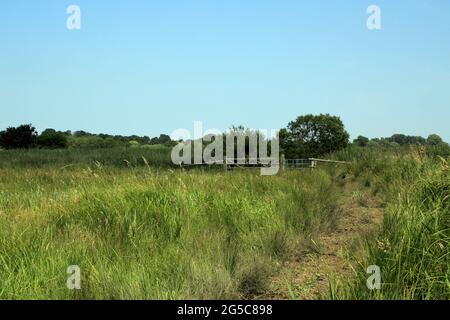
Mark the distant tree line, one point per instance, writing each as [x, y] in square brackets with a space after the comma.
[400, 140]
[305, 137]
[26, 137]
[317, 135]
[433, 142]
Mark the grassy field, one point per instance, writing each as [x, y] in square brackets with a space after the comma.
[141, 231]
[413, 247]
[155, 155]
[144, 233]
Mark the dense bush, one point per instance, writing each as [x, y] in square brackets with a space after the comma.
[361, 141]
[22, 137]
[93, 142]
[52, 139]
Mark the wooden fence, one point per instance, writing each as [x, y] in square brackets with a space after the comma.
[307, 163]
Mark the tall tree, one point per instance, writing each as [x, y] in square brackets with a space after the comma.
[21, 137]
[434, 140]
[313, 136]
[52, 139]
[361, 141]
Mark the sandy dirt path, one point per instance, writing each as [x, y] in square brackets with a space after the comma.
[330, 255]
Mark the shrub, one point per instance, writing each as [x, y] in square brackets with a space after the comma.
[22, 137]
[52, 140]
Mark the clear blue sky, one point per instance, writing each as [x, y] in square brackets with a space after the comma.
[148, 67]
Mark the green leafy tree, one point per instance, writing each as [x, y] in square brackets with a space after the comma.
[361, 141]
[403, 140]
[164, 138]
[434, 140]
[248, 136]
[313, 136]
[52, 139]
[22, 137]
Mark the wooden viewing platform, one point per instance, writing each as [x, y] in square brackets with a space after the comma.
[266, 162]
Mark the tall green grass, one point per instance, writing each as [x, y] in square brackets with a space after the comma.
[141, 233]
[154, 155]
[413, 248]
[139, 230]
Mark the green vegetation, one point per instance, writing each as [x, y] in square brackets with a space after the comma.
[434, 143]
[313, 136]
[22, 137]
[154, 155]
[141, 228]
[26, 137]
[413, 247]
[138, 232]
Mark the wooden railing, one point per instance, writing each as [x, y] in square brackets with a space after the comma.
[263, 162]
